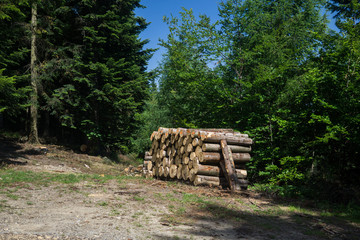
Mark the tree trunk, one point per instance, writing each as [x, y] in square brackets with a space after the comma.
[216, 181]
[215, 157]
[210, 147]
[232, 139]
[208, 170]
[33, 135]
[228, 166]
[173, 171]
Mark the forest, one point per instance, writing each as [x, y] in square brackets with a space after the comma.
[74, 72]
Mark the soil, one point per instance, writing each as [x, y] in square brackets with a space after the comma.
[137, 208]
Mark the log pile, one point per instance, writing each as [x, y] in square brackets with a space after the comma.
[213, 157]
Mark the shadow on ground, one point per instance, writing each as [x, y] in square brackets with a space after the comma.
[13, 153]
[212, 220]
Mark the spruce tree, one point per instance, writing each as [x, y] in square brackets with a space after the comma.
[104, 82]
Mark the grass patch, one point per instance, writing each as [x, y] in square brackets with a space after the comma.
[192, 198]
[138, 198]
[281, 191]
[115, 212]
[103, 204]
[12, 196]
[3, 205]
[159, 196]
[11, 178]
[350, 212]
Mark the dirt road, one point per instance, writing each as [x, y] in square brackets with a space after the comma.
[66, 195]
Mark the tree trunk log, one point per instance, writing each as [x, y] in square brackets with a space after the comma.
[216, 181]
[208, 170]
[166, 171]
[228, 166]
[147, 157]
[210, 147]
[173, 171]
[185, 172]
[192, 175]
[149, 166]
[230, 139]
[215, 157]
[179, 172]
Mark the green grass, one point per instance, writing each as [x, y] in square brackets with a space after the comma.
[12, 178]
[3, 205]
[114, 212]
[103, 204]
[138, 198]
[315, 232]
[192, 198]
[350, 212]
[323, 208]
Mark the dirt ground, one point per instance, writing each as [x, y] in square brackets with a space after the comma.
[130, 207]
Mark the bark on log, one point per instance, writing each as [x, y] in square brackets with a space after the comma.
[153, 135]
[148, 158]
[231, 139]
[216, 181]
[208, 170]
[206, 181]
[215, 157]
[228, 166]
[211, 147]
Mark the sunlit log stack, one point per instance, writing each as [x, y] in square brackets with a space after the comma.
[195, 155]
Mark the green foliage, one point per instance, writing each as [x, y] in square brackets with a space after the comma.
[91, 67]
[11, 99]
[153, 116]
[188, 86]
[280, 74]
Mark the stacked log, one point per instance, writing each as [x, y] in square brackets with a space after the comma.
[213, 157]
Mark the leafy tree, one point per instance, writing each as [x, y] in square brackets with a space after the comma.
[260, 50]
[189, 88]
[268, 49]
[150, 119]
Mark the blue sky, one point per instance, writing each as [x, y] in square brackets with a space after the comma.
[155, 11]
